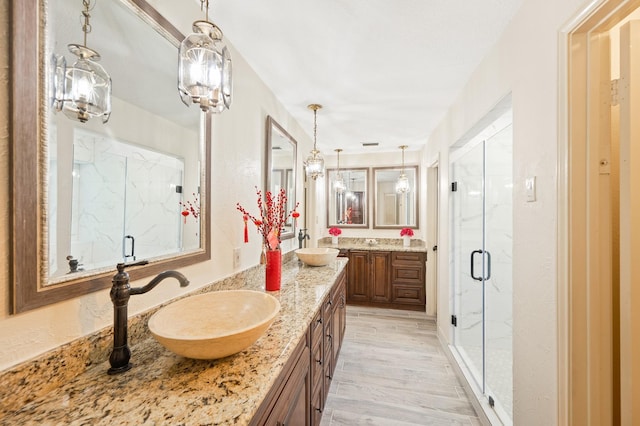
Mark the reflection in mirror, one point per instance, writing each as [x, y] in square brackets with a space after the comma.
[393, 210]
[347, 208]
[133, 188]
[280, 168]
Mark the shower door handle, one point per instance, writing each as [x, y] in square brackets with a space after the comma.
[473, 253]
[133, 247]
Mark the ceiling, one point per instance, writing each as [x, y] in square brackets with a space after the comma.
[384, 71]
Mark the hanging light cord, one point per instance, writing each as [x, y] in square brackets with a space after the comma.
[204, 5]
[402, 160]
[86, 26]
[315, 127]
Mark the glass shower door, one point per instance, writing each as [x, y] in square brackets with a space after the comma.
[481, 233]
[467, 236]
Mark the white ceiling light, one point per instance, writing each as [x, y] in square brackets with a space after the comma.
[315, 163]
[83, 91]
[402, 184]
[204, 67]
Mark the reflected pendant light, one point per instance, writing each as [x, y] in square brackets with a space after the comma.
[82, 91]
[338, 183]
[204, 67]
[315, 163]
[402, 184]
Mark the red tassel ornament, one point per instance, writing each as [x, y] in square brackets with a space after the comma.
[246, 231]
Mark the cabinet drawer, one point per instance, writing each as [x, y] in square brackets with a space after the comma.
[408, 257]
[409, 294]
[407, 273]
[317, 363]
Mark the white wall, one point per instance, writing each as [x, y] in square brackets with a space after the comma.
[524, 62]
[236, 164]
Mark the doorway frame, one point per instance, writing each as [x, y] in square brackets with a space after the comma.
[588, 366]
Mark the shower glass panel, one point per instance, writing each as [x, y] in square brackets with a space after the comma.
[467, 235]
[481, 232]
[125, 203]
[498, 288]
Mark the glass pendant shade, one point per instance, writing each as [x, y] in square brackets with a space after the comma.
[314, 165]
[402, 184]
[204, 69]
[83, 91]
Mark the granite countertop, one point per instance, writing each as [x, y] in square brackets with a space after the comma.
[382, 244]
[164, 388]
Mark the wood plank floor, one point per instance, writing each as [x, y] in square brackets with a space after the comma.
[393, 371]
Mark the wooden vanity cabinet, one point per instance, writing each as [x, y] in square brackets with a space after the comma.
[387, 279]
[288, 402]
[369, 276]
[327, 332]
[300, 392]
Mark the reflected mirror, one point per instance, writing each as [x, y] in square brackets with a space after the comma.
[133, 188]
[391, 209]
[347, 207]
[280, 168]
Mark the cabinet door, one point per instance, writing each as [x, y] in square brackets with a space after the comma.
[293, 406]
[380, 276]
[357, 281]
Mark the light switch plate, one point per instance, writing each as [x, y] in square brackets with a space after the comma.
[530, 187]
[236, 257]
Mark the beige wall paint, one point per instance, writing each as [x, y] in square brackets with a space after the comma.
[524, 62]
[236, 163]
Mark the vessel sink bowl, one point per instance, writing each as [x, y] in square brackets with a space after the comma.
[214, 325]
[317, 256]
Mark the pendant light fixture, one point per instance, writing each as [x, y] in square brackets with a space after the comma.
[83, 91]
[338, 183]
[204, 67]
[402, 184]
[315, 163]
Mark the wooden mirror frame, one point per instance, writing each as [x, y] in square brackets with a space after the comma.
[416, 190]
[29, 164]
[270, 125]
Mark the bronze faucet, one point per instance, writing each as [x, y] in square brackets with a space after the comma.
[120, 293]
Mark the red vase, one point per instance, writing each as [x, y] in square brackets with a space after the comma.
[273, 270]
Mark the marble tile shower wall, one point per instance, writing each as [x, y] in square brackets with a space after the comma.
[118, 190]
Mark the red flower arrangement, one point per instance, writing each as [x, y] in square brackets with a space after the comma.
[273, 216]
[406, 232]
[334, 232]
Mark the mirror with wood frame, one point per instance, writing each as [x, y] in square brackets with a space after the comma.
[280, 168]
[89, 195]
[390, 208]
